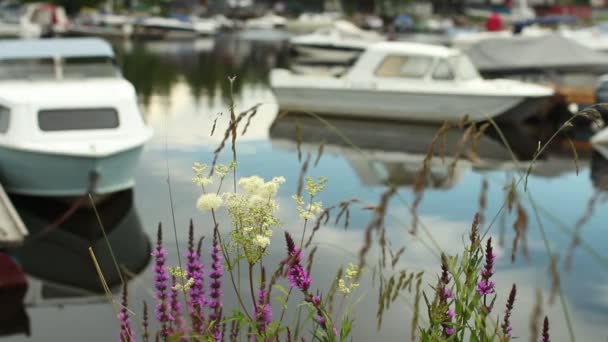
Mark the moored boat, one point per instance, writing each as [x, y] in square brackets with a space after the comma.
[414, 82]
[340, 43]
[69, 122]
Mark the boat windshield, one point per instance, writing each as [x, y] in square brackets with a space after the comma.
[52, 69]
[464, 68]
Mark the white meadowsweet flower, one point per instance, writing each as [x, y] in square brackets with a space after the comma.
[248, 229]
[208, 202]
[262, 241]
[201, 180]
[199, 168]
[222, 170]
[251, 185]
[257, 200]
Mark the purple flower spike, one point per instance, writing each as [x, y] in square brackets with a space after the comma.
[263, 312]
[215, 303]
[126, 333]
[506, 324]
[485, 286]
[296, 274]
[176, 306]
[163, 314]
[450, 313]
[196, 293]
[449, 331]
[546, 337]
[447, 293]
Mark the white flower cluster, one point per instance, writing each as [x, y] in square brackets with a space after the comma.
[220, 171]
[307, 211]
[208, 202]
[352, 271]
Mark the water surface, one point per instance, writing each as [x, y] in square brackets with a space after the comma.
[183, 88]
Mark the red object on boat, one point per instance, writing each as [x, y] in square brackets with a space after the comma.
[11, 275]
[13, 287]
[494, 22]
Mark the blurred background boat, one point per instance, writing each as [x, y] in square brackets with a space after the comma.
[339, 43]
[415, 82]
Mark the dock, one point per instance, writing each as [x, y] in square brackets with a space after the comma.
[12, 229]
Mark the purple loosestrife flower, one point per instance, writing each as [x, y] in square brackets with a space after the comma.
[145, 323]
[176, 306]
[296, 274]
[196, 293]
[450, 313]
[485, 286]
[445, 295]
[126, 333]
[506, 323]
[163, 314]
[263, 312]
[545, 337]
[215, 303]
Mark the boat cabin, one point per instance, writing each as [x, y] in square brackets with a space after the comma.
[412, 61]
[55, 89]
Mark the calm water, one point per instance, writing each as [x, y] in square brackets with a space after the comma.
[183, 87]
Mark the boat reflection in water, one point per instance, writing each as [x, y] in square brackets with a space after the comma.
[55, 267]
[393, 153]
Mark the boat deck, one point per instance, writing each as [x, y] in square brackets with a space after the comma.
[12, 229]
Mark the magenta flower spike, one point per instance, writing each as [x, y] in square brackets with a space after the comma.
[545, 337]
[263, 312]
[161, 276]
[176, 307]
[196, 293]
[485, 286]
[215, 294]
[296, 274]
[126, 333]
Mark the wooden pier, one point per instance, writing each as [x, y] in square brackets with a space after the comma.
[12, 229]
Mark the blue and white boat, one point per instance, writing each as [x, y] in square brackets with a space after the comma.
[69, 121]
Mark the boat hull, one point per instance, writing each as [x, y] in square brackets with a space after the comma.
[41, 174]
[417, 107]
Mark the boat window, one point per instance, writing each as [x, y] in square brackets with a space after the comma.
[443, 71]
[404, 66]
[42, 68]
[464, 67]
[5, 114]
[77, 119]
[69, 68]
[82, 67]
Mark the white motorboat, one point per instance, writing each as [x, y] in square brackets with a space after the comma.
[410, 81]
[103, 24]
[161, 27]
[69, 122]
[340, 43]
[268, 21]
[310, 22]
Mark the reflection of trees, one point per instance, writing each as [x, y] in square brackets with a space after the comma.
[205, 72]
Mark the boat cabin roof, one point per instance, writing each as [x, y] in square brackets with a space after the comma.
[400, 48]
[15, 49]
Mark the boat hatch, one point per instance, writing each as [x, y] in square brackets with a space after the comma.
[77, 119]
